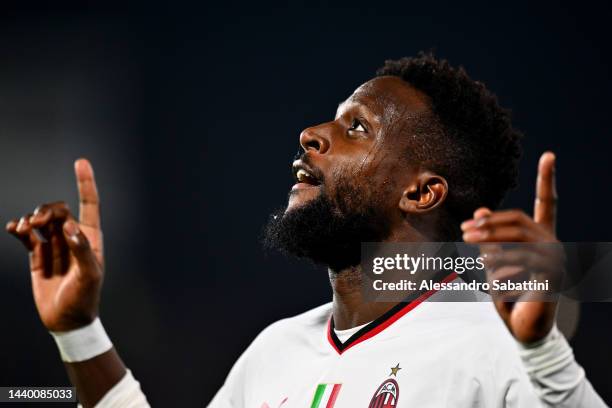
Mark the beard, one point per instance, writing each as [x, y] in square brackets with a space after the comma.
[327, 231]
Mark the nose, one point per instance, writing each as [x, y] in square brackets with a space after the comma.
[314, 139]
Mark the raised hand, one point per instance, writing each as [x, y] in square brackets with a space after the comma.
[66, 256]
[528, 321]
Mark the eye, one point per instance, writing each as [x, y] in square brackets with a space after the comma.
[357, 126]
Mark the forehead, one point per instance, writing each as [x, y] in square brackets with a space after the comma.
[386, 96]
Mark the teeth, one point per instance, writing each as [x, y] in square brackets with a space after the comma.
[302, 175]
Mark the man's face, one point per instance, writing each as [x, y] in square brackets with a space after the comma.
[365, 146]
[350, 178]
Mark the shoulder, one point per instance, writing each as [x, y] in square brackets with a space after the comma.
[477, 323]
[469, 331]
[288, 331]
[287, 336]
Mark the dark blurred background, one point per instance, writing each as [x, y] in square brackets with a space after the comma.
[191, 117]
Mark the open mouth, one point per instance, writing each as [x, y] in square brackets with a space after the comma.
[305, 175]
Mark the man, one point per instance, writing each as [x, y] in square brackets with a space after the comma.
[410, 155]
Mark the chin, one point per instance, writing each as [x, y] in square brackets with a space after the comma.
[299, 198]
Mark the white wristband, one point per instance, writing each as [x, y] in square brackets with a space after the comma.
[552, 368]
[83, 343]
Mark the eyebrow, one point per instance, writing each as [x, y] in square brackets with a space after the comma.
[342, 104]
[359, 102]
[354, 101]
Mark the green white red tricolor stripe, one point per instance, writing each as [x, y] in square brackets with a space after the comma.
[325, 395]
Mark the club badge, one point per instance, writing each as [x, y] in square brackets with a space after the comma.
[387, 394]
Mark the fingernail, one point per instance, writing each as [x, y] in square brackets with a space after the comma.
[480, 222]
[465, 225]
[72, 230]
[21, 224]
[474, 235]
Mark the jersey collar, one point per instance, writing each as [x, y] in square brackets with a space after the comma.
[380, 324]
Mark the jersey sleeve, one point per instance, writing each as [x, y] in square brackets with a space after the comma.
[558, 380]
[238, 384]
[125, 394]
[231, 393]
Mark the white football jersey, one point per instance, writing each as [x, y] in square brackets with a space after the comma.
[431, 352]
[419, 354]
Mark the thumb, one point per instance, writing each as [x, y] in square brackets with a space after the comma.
[81, 250]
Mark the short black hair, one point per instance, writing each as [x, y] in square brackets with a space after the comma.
[468, 137]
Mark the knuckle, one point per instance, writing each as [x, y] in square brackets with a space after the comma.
[43, 208]
[516, 214]
[60, 209]
[523, 217]
[40, 208]
[520, 234]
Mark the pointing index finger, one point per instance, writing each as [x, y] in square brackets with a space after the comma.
[89, 204]
[545, 208]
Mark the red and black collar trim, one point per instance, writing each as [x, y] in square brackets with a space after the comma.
[380, 324]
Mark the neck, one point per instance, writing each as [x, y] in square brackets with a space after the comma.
[349, 308]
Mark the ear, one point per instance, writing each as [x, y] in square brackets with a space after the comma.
[425, 192]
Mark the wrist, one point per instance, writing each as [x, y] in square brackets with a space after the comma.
[83, 343]
[552, 334]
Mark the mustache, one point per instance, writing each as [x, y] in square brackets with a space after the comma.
[299, 155]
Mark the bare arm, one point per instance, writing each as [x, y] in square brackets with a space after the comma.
[94, 378]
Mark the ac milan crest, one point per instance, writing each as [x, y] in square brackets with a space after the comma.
[386, 395]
